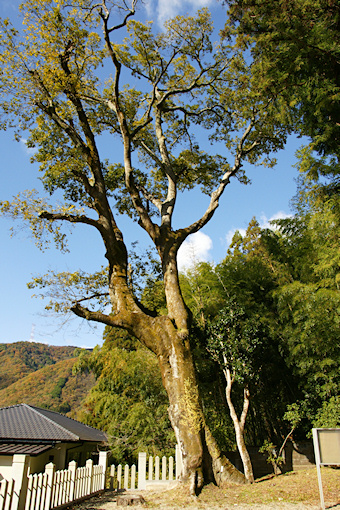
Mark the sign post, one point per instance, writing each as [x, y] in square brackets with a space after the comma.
[327, 453]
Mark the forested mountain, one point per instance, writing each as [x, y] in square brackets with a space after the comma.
[41, 375]
[22, 358]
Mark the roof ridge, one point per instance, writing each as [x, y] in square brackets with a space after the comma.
[35, 410]
[68, 417]
[9, 407]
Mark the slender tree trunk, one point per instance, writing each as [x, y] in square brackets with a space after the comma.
[239, 426]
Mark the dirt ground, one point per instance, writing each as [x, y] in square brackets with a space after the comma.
[292, 491]
[110, 503]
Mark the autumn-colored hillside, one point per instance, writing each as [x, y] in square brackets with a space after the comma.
[41, 375]
[22, 358]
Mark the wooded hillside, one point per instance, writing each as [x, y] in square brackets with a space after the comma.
[41, 375]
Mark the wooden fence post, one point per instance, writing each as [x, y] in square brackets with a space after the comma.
[103, 462]
[157, 468]
[6, 494]
[150, 468]
[49, 470]
[133, 477]
[164, 477]
[112, 476]
[171, 469]
[119, 476]
[126, 477]
[89, 473]
[72, 468]
[20, 477]
[142, 471]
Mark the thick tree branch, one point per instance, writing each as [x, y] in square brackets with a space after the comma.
[95, 316]
[91, 148]
[130, 13]
[169, 203]
[114, 104]
[151, 198]
[71, 218]
[68, 127]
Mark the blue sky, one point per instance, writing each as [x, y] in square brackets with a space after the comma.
[22, 317]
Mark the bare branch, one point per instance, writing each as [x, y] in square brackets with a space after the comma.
[194, 84]
[141, 126]
[151, 153]
[130, 13]
[93, 296]
[149, 196]
[190, 113]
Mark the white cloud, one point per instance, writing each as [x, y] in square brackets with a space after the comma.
[195, 249]
[29, 150]
[149, 7]
[168, 9]
[165, 9]
[264, 222]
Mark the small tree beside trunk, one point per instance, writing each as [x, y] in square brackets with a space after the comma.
[238, 343]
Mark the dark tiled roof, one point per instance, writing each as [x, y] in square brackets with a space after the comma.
[23, 449]
[24, 422]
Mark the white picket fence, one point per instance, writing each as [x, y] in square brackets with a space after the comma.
[51, 489]
[55, 489]
[150, 471]
[6, 494]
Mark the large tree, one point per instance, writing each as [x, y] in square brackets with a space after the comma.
[73, 83]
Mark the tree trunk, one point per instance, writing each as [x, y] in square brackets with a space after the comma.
[202, 459]
[239, 426]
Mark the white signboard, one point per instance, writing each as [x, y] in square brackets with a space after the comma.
[327, 452]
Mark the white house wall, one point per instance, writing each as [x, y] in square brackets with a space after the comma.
[5, 467]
